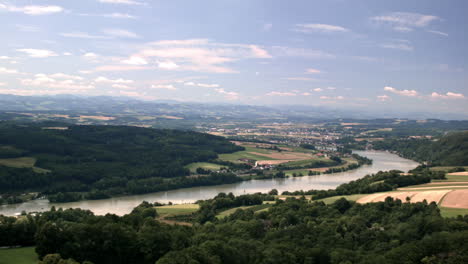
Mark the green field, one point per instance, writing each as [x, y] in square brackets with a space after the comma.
[304, 172]
[23, 162]
[255, 208]
[205, 165]
[177, 209]
[306, 162]
[234, 157]
[452, 212]
[353, 197]
[25, 255]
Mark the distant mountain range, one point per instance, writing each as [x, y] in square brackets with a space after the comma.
[119, 105]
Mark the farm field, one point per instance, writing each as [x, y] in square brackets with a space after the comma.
[205, 165]
[255, 208]
[452, 212]
[23, 162]
[24, 255]
[352, 197]
[451, 195]
[263, 155]
[177, 209]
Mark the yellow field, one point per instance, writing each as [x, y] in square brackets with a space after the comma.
[450, 193]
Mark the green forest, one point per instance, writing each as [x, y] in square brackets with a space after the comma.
[95, 162]
[449, 150]
[290, 232]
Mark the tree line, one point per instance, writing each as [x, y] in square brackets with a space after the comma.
[291, 231]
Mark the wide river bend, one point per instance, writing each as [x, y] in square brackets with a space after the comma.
[382, 161]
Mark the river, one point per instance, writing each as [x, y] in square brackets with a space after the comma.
[382, 161]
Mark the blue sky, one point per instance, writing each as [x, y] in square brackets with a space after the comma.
[405, 55]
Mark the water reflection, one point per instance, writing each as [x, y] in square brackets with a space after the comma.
[382, 161]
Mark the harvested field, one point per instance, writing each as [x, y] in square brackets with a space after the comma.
[463, 173]
[285, 155]
[456, 199]
[429, 196]
[272, 162]
[435, 187]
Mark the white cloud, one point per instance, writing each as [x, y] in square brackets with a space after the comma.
[120, 33]
[303, 53]
[440, 33]
[119, 15]
[323, 28]
[383, 98]
[112, 15]
[2, 84]
[33, 10]
[122, 86]
[201, 55]
[405, 21]
[402, 29]
[398, 46]
[312, 71]
[204, 85]
[60, 86]
[167, 65]
[411, 93]
[332, 98]
[38, 53]
[116, 68]
[66, 76]
[275, 93]
[134, 60]
[90, 55]
[4, 58]
[164, 86]
[448, 95]
[228, 95]
[67, 54]
[102, 79]
[122, 2]
[8, 71]
[318, 90]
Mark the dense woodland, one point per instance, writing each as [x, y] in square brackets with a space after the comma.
[292, 231]
[450, 150]
[96, 162]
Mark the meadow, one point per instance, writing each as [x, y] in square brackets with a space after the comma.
[23, 255]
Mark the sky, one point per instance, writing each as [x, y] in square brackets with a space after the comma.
[365, 54]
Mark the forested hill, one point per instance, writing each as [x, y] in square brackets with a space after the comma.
[103, 160]
[450, 150]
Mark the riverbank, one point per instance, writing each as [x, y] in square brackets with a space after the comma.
[382, 161]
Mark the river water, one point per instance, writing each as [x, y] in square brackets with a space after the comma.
[382, 161]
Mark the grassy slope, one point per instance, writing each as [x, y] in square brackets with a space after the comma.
[205, 165]
[452, 212]
[256, 208]
[23, 162]
[177, 209]
[234, 157]
[25, 255]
